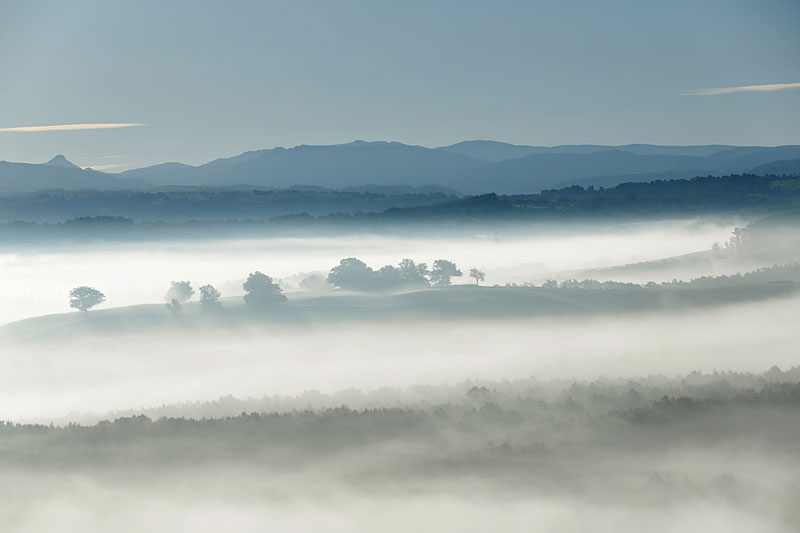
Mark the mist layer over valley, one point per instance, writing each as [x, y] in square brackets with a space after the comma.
[582, 377]
[39, 277]
[90, 373]
[697, 452]
[599, 375]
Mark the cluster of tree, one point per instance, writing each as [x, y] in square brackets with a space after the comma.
[739, 244]
[589, 284]
[355, 275]
[260, 292]
[789, 273]
[775, 274]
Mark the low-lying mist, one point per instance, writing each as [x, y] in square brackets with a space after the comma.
[712, 452]
[571, 406]
[73, 377]
[37, 280]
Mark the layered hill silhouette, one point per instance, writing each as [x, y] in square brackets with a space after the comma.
[609, 167]
[60, 173]
[470, 167]
[336, 166]
[494, 151]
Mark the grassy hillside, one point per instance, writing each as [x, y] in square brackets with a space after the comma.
[452, 303]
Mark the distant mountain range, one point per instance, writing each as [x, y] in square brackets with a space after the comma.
[60, 173]
[470, 167]
[494, 151]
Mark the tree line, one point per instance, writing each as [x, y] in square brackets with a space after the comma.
[355, 275]
[262, 291]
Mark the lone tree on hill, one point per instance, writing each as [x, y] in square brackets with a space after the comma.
[478, 275]
[178, 294]
[84, 298]
[209, 298]
[261, 291]
[442, 271]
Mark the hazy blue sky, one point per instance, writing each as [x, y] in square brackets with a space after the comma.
[213, 79]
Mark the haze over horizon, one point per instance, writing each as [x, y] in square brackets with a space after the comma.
[121, 87]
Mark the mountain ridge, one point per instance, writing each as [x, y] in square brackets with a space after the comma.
[469, 167]
[27, 177]
[61, 161]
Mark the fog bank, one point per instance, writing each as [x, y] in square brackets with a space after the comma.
[43, 380]
[37, 281]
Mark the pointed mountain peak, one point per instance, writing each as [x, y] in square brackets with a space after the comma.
[61, 161]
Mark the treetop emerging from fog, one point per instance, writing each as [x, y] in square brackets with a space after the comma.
[355, 275]
[261, 291]
[84, 298]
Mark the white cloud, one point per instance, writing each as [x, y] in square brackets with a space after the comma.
[744, 89]
[70, 127]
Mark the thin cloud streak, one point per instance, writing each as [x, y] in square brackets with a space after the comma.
[102, 167]
[744, 89]
[71, 127]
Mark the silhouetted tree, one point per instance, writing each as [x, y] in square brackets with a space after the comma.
[261, 291]
[209, 298]
[414, 274]
[387, 278]
[739, 241]
[478, 275]
[352, 274]
[84, 298]
[178, 294]
[442, 271]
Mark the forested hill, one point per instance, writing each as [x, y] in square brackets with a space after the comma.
[728, 195]
[700, 195]
[175, 205]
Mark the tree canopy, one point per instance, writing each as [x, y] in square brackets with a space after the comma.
[261, 291]
[443, 271]
[352, 274]
[477, 275]
[209, 298]
[84, 298]
[355, 275]
[178, 294]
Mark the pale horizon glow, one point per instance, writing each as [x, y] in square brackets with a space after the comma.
[102, 167]
[744, 89]
[72, 127]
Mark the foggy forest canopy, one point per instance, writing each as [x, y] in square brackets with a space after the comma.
[654, 446]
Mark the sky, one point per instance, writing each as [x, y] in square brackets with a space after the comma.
[191, 81]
